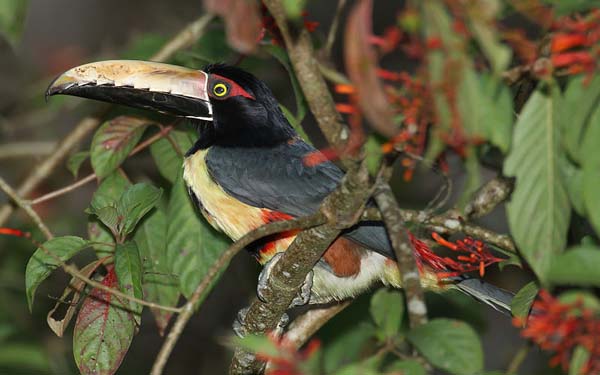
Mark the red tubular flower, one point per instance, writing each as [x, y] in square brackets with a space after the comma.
[560, 327]
[562, 42]
[14, 232]
[476, 256]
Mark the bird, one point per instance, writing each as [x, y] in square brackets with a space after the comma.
[247, 168]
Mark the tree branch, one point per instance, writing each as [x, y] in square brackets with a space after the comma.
[27, 208]
[306, 67]
[21, 149]
[224, 259]
[183, 39]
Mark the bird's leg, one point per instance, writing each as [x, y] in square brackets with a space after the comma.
[303, 296]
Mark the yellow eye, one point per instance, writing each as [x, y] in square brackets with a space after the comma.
[220, 90]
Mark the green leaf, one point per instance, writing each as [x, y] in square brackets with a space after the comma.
[103, 331]
[574, 178]
[579, 359]
[260, 344]
[406, 367]
[577, 266]
[565, 7]
[192, 245]
[450, 345]
[367, 366]
[110, 217]
[539, 209]
[579, 103]
[521, 303]
[12, 19]
[482, 17]
[498, 113]
[297, 125]
[591, 170]
[109, 191]
[159, 285]
[387, 309]
[167, 159]
[136, 202]
[346, 346]
[128, 267]
[293, 8]
[107, 194]
[41, 263]
[374, 154]
[113, 141]
[576, 297]
[75, 161]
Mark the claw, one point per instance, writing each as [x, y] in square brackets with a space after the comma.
[304, 294]
[239, 324]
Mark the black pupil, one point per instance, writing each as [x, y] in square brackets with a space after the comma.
[220, 89]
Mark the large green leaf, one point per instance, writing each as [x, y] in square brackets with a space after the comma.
[74, 162]
[192, 245]
[12, 19]
[128, 267]
[450, 345]
[406, 367]
[580, 358]
[387, 309]
[539, 209]
[45, 259]
[167, 158]
[25, 358]
[103, 331]
[347, 345]
[577, 266]
[113, 141]
[136, 202]
[159, 284]
[591, 169]
[521, 303]
[581, 98]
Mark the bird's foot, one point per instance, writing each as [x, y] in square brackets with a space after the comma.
[239, 324]
[303, 296]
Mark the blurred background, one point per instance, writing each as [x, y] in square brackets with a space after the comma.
[61, 34]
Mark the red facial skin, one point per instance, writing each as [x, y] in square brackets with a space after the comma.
[233, 88]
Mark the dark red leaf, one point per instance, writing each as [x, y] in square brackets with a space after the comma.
[104, 329]
[361, 66]
[242, 22]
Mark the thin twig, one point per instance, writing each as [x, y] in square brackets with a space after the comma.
[224, 259]
[188, 35]
[164, 132]
[333, 28]
[518, 359]
[64, 190]
[28, 210]
[306, 325]
[75, 272]
[23, 149]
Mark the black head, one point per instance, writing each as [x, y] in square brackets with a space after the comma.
[245, 113]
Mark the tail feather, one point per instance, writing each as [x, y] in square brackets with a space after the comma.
[491, 295]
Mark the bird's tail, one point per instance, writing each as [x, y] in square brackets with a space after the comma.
[487, 293]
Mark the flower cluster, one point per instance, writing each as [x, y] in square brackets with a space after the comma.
[575, 45]
[476, 256]
[560, 327]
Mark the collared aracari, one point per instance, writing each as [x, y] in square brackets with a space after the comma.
[247, 168]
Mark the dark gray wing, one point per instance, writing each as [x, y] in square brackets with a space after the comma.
[277, 178]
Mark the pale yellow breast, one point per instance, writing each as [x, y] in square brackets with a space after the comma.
[222, 211]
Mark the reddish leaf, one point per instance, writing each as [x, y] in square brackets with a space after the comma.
[114, 141]
[242, 22]
[76, 288]
[104, 329]
[361, 65]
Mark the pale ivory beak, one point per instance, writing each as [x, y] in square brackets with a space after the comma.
[155, 86]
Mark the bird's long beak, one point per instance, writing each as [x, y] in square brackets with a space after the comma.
[160, 87]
